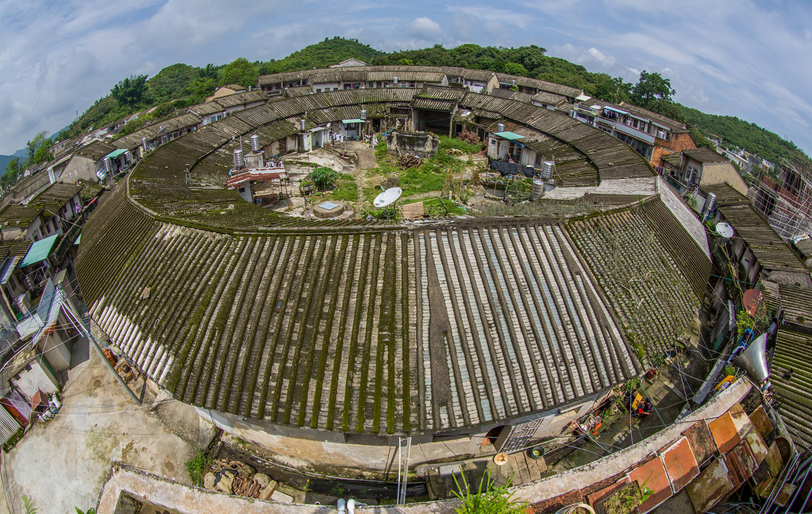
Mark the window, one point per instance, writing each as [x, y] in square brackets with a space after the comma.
[318, 90]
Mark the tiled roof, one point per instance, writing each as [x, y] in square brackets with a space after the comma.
[18, 215]
[726, 195]
[791, 376]
[153, 131]
[363, 326]
[770, 250]
[94, 150]
[705, 155]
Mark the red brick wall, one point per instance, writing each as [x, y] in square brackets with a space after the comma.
[678, 143]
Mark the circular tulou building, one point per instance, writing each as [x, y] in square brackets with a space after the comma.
[325, 340]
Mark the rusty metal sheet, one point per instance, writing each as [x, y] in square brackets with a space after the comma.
[764, 488]
[747, 460]
[680, 464]
[604, 493]
[701, 439]
[785, 494]
[774, 460]
[761, 421]
[740, 419]
[734, 468]
[652, 475]
[725, 433]
[710, 486]
[757, 445]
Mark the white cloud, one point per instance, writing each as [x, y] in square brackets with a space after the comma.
[737, 57]
[425, 29]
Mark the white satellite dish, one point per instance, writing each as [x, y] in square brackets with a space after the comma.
[724, 230]
[387, 197]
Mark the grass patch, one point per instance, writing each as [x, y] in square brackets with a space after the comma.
[197, 467]
[430, 176]
[452, 142]
[346, 189]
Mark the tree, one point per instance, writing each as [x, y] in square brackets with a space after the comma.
[209, 72]
[130, 91]
[39, 148]
[241, 72]
[11, 174]
[200, 89]
[514, 68]
[652, 88]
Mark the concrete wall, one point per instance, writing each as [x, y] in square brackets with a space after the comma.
[80, 168]
[723, 173]
[300, 447]
[423, 145]
[124, 480]
[38, 378]
[684, 214]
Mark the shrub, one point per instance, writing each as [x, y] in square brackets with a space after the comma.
[323, 178]
[197, 467]
[488, 499]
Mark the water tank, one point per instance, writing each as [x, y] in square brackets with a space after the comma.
[547, 170]
[394, 80]
[500, 127]
[144, 143]
[238, 160]
[303, 124]
[538, 189]
[255, 143]
[363, 114]
[710, 204]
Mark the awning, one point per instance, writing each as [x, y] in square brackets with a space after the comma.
[615, 110]
[352, 121]
[8, 268]
[39, 251]
[510, 136]
[115, 153]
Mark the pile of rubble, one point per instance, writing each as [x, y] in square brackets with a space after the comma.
[409, 161]
[234, 477]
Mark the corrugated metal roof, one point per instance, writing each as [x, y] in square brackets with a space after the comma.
[791, 376]
[39, 251]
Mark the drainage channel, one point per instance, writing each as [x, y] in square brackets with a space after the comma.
[359, 489]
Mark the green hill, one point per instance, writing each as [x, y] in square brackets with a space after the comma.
[181, 85]
[735, 132]
[321, 55]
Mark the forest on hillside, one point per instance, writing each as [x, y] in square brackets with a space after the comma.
[179, 86]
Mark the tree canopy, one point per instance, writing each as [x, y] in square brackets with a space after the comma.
[241, 72]
[39, 148]
[131, 90]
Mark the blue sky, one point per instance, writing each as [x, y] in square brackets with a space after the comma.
[739, 57]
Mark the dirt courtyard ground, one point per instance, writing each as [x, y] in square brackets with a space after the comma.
[63, 464]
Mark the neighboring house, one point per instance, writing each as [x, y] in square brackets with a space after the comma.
[757, 248]
[148, 138]
[703, 167]
[62, 205]
[87, 163]
[21, 222]
[652, 135]
[348, 63]
[786, 200]
[25, 188]
[219, 108]
[227, 90]
[532, 86]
